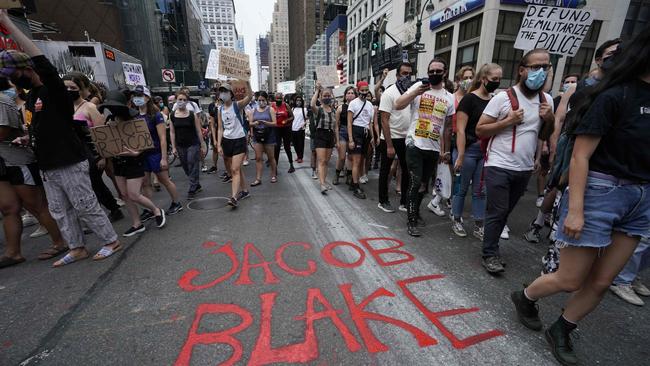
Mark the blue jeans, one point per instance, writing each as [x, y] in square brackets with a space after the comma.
[470, 173]
[640, 260]
[190, 158]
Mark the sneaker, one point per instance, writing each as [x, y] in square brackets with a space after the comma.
[533, 235]
[527, 311]
[435, 208]
[402, 208]
[246, 162]
[313, 175]
[212, 170]
[227, 179]
[413, 230]
[386, 207]
[458, 229]
[493, 265]
[478, 232]
[243, 195]
[204, 169]
[505, 234]
[363, 179]
[198, 189]
[174, 208]
[146, 215]
[232, 202]
[559, 338]
[119, 202]
[161, 220]
[539, 201]
[359, 193]
[323, 189]
[448, 202]
[115, 215]
[223, 175]
[626, 292]
[337, 180]
[134, 230]
[640, 288]
[40, 231]
[29, 220]
[291, 170]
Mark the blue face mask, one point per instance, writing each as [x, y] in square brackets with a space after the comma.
[11, 93]
[138, 101]
[536, 79]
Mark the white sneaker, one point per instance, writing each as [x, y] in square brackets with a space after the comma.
[29, 220]
[505, 234]
[626, 292]
[363, 179]
[119, 202]
[539, 201]
[402, 208]
[246, 163]
[436, 209]
[640, 288]
[39, 232]
[313, 175]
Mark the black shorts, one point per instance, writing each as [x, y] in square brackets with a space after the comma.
[129, 167]
[361, 138]
[22, 175]
[545, 163]
[324, 139]
[233, 147]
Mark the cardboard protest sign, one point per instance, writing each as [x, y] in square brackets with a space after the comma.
[558, 30]
[133, 74]
[327, 75]
[111, 140]
[10, 4]
[286, 87]
[234, 64]
[239, 88]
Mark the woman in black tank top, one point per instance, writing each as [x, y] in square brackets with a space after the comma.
[325, 136]
[342, 126]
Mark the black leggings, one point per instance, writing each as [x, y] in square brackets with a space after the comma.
[421, 166]
[283, 136]
[299, 143]
[104, 195]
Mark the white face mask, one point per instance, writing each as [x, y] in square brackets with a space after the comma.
[224, 96]
[181, 104]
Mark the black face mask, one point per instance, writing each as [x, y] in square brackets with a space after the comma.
[435, 79]
[403, 84]
[23, 82]
[298, 103]
[491, 86]
[278, 103]
[22, 96]
[73, 94]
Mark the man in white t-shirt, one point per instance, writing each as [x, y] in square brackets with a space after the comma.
[360, 113]
[394, 127]
[432, 108]
[513, 137]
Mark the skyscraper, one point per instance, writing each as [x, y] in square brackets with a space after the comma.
[262, 54]
[219, 19]
[279, 50]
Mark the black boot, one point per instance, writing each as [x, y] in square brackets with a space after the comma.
[527, 311]
[412, 229]
[559, 338]
[336, 178]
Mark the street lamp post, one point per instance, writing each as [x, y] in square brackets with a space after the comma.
[428, 6]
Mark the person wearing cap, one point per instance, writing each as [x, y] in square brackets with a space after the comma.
[231, 138]
[155, 160]
[360, 114]
[59, 151]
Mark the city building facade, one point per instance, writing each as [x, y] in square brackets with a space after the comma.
[361, 15]
[262, 54]
[280, 64]
[316, 55]
[219, 19]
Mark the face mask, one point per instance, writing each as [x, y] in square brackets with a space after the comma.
[363, 95]
[403, 84]
[11, 93]
[262, 103]
[491, 86]
[566, 87]
[23, 82]
[298, 103]
[224, 96]
[608, 63]
[535, 79]
[161, 105]
[278, 102]
[435, 79]
[181, 104]
[327, 101]
[465, 84]
[138, 101]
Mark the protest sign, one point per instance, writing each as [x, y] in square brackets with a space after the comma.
[212, 70]
[111, 140]
[234, 64]
[10, 4]
[239, 88]
[133, 74]
[327, 75]
[558, 30]
[286, 87]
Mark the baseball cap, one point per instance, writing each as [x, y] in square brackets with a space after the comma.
[12, 60]
[116, 102]
[361, 84]
[141, 89]
[225, 87]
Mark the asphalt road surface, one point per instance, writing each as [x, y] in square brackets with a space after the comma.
[293, 276]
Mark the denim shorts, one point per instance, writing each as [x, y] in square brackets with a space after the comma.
[608, 207]
[152, 161]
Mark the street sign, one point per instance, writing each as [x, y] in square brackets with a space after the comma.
[168, 76]
[386, 59]
[418, 46]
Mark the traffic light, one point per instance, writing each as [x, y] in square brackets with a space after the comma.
[375, 40]
[364, 39]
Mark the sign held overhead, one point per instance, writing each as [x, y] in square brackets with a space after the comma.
[133, 74]
[234, 64]
[286, 87]
[327, 75]
[558, 30]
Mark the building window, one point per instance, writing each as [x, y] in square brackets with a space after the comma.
[504, 52]
[638, 17]
[443, 44]
[365, 10]
[411, 4]
[372, 6]
[468, 41]
[581, 62]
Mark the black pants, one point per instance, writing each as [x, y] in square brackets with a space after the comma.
[421, 166]
[299, 143]
[384, 170]
[504, 188]
[283, 136]
[104, 195]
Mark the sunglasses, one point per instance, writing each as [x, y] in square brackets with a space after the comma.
[544, 67]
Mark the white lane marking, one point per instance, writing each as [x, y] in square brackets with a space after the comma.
[377, 225]
[38, 357]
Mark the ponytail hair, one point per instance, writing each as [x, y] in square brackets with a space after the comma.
[482, 73]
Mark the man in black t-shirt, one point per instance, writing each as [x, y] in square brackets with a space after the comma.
[59, 151]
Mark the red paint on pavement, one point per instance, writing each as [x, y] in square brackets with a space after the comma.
[330, 259]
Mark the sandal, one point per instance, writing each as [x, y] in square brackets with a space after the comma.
[69, 259]
[274, 179]
[257, 182]
[8, 261]
[106, 252]
[51, 252]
